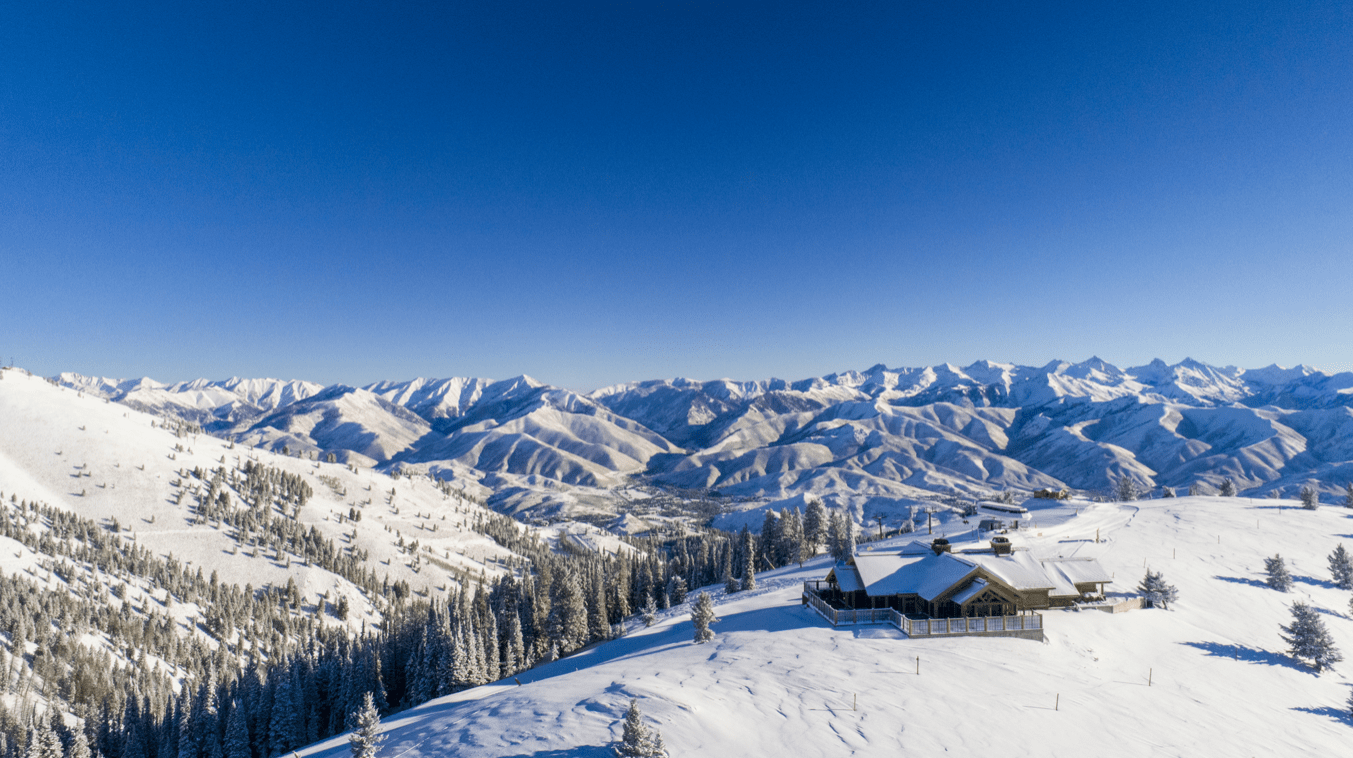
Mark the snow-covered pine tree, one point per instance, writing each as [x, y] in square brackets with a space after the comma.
[702, 615]
[1228, 487]
[793, 536]
[749, 561]
[636, 739]
[42, 741]
[730, 582]
[1309, 498]
[1308, 639]
[365, 740]
[1278, 578]
[237, 733]
[1341, 567]
[1167, 492]
[814, 527]
[79, 745]
[1126, 489]
[650, 612]
[678, 590]
[772, 539]
[1156, 591]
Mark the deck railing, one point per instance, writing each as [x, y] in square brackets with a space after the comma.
[926, 627]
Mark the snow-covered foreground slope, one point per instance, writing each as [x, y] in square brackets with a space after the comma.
[1208, 678]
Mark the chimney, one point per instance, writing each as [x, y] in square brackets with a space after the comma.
[1001, 545]
[939, 545]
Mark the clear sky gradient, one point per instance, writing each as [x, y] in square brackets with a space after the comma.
[593, 193]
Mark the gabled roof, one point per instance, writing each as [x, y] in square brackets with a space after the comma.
[926, 575]
[1073, 571]
[917, 570]
[970, 592]
[847, 578]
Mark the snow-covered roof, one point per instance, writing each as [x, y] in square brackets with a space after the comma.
[971, 591]
[847, 578]
[917, 570]
[1068, 572]
[1019, 570]
[926, 575]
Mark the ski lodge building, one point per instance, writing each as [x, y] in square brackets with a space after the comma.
[931, 581]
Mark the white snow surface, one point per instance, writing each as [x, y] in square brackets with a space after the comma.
[1208, 678]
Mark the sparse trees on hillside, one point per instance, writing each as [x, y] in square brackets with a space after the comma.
[1278, 578]
[1228, 488]
[1341, 567]
[702, 615]
[1156, 591]
[1309, 498]
[1308, 639]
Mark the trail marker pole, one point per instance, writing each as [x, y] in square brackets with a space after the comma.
[854, 702]
[1175, 554]
[1149, 675]
[918, 665]
[1057, 704]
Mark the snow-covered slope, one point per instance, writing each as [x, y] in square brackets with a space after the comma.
[848, 437]
[1208, 678]
[103, 461]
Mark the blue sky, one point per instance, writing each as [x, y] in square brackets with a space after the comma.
[605, 192]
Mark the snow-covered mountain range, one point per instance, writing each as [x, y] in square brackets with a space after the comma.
[853, 437]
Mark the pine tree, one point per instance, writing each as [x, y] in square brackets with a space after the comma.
[749, 561]
[636, 740]
[1341, 567]
[650, 613]
[79, 745]
[702, 615]
[1126, 490]
[1278, 578]
[772, 539]
[568, 613]
[1228, 488]
[1167, 492]
[678, 591]
[1308, 638]
[730, 582]
[814, 528]
[365, 740]
[1157, 591]
[237, 733]
[1309, 498]
[42, 741]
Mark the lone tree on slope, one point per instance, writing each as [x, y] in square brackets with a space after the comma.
[1278, 578]
[1348, 495]
[702, 615]
[1126, 489]
[1341, 567]
[1157, 591]
[1309, 500]
[637, 740]
[1308, 638]
[366, 738]
[1228, 488]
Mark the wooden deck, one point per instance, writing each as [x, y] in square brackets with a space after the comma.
[1025, 626]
